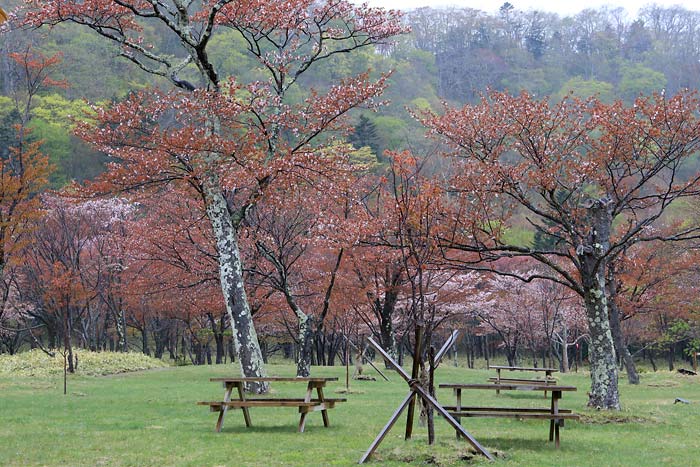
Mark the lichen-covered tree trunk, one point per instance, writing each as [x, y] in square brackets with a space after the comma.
[592, 256]
[306, 342]
[604, 390]
[245, 339]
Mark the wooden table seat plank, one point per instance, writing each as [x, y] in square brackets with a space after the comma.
[517, 414]
[523, 380]
[454, 408]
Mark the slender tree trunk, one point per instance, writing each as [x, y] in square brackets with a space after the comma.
[386, 324]
[245, 338]
[564, 348]
[616, 328]
[144, 342]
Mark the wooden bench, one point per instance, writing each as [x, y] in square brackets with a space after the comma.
[554, 414]
[305, 405]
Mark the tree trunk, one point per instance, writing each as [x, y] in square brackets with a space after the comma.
[604, 389]
[245, 338]
[144, 342]
[386, 324]
[564, 348]
[616, 328]
[306, 342]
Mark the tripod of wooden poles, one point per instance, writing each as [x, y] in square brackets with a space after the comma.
[417, 391]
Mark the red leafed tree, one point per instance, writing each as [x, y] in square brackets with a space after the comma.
[228, 145]
[24, 169]
[574, 169]
[646, 299]
[301, 235]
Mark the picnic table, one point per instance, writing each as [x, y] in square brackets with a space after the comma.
[554, 414]
[548, 378]
[305, 404]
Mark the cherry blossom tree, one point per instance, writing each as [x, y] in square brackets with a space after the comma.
[230, 143]
[24, 172]
[591, 179]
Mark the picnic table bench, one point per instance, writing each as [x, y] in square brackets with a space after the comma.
[554, 414]
[548, 378]
[305, 405]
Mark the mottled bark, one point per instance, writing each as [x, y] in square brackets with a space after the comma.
[245, 338]
[591, 254]
[306, 342]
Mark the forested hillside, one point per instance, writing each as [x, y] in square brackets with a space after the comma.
[451, 54]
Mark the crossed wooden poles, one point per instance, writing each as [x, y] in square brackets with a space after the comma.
[416, 390]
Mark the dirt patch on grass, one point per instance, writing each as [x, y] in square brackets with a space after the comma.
[664, 384]
[443, 453]
[604, 418]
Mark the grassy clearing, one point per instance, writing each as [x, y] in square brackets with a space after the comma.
[150, 419]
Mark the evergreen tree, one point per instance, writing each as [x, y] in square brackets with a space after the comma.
[365, 134]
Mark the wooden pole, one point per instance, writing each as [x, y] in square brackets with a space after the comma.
[347, 365]
[414, 376]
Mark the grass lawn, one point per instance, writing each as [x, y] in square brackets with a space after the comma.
[150, 419]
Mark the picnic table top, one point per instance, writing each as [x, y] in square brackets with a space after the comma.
[271, 379]
[520, 368]
[514, 387]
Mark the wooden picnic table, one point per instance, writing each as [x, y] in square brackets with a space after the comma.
[306, 404]
[554, 414]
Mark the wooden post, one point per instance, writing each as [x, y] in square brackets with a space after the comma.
[414, 376]
[347, 366]
[431, 391]
[415, 390]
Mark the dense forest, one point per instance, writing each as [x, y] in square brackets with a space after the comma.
[139, 271]
[451, 54]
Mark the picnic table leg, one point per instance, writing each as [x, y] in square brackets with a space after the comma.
[555, 423]
[324, 412]
[307, 398]
[246, 413]
[224, 408]
[498, 379]
[458, 394]
[551, 422]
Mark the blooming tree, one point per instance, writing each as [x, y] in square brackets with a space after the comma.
[229, 143]
[591, 178]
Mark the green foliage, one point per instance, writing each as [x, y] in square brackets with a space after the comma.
[57, 110]
[585, 88]
[56, 144]
[391, 131]
[638, 79]
[36, 363]
[365, 134]
[519, 237]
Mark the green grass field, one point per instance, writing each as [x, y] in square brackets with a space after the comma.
[150, 419]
